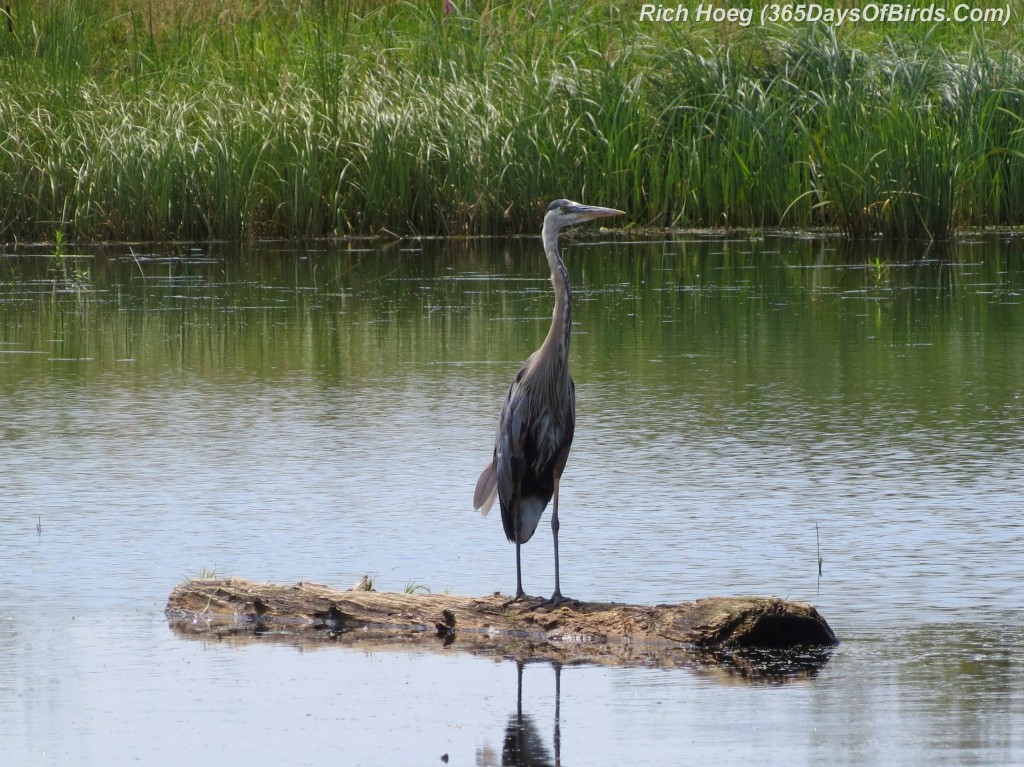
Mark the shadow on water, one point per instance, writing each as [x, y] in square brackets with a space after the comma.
[524, 744]
[765, 666]
[723, 665]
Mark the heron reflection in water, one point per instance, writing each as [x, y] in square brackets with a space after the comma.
[538, 415]
[523, 744]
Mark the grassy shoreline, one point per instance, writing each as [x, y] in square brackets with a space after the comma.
[308, 119]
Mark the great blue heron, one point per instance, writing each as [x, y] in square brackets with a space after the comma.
[538, 415]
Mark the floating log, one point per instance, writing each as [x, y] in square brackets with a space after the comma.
[599, 632]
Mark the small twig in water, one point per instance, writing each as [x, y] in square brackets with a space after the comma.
[818, 539]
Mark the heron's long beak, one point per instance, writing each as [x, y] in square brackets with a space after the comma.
[594, 211]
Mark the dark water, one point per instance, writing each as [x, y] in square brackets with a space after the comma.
[319, 413]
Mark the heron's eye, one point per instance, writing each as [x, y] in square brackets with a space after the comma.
[565, 208]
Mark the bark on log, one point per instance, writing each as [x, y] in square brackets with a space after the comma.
[574, 631]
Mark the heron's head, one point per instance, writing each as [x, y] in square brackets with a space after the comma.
[563, 213]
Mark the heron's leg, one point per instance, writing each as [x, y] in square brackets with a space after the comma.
[558, 718]
[519, 576]
[557, 596]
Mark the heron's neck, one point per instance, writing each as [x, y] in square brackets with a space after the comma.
[561, 318]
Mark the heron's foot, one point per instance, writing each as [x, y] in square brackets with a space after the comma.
[552, 602]
[520, 596]
[513, 600]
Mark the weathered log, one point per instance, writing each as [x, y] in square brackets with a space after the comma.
[573, 631]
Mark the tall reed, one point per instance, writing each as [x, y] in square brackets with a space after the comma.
[322, 118]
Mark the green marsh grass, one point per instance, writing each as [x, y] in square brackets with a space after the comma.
[205, 574]
[238, 120]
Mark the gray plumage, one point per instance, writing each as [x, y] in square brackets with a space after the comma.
[538, 415]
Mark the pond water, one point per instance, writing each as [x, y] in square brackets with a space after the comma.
[786, 416]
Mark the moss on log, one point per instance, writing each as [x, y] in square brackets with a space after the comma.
[599, 632]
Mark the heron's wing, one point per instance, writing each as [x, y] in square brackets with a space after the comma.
[496, 479]
[570, 429]
[510, 448]
[486, 490]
